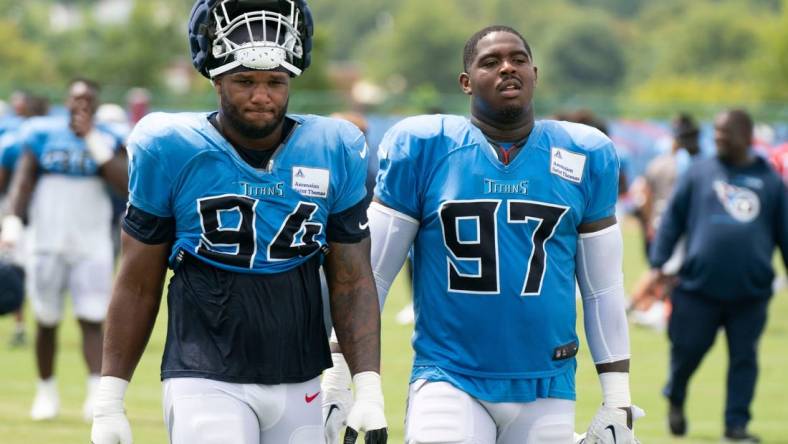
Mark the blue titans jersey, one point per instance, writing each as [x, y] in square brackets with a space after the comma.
[494, 258]
[10, 123]
[9, 150]
[234, 216]
[9, 142]
[58, 149]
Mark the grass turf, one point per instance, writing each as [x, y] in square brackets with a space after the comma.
[649, 367]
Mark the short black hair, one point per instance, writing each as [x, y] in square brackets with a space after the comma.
[743, 119]
[684, 127]
[584, 116]
[92, 84]
[469, 53]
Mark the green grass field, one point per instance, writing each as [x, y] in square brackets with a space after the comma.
[649, 367]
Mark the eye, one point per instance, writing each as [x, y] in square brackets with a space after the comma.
[489, 63]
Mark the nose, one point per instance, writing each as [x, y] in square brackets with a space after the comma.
[260, 94]
[507, 66]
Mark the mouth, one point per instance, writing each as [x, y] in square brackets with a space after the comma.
[258, 113]
[510, 85]
[510, 88]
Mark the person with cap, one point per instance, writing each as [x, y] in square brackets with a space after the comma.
[244, 204]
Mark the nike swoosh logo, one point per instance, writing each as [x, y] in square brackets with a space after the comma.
[613, 432]
[309, 399]
[363, 226]
[363, 152]
[331, 410]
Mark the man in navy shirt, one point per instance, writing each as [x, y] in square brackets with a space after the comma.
[733, 210]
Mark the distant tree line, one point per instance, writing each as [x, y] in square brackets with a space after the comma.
[629, 53]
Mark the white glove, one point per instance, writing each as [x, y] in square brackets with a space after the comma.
[100, 147]
[366, 415]
[609, 426]
[110, 425]
[11, 229]
[337, 397]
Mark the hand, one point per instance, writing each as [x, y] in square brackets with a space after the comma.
[337, 398]
[367, 412]
[110, 425]
[654, 281]
[10, 231]
[612, 425]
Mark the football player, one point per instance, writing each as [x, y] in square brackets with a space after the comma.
[61, 179]
[504, 213]
[244, 204]
[10, 149]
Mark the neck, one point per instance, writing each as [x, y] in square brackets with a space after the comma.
[268, 142]
[741, 160]
[505, 132]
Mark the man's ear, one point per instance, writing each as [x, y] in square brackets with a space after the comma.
[536, 75]
[465, 83]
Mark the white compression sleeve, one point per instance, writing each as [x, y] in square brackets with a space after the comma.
[598, 267]
[392, 233]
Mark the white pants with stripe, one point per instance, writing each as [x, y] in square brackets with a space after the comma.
[438, 412]
[204, 411]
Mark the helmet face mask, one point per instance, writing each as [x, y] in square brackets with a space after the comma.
[255, 34]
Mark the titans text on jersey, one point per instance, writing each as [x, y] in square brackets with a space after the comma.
[495, 307]
[246, 241]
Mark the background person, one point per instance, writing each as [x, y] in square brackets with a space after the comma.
[733, 210]
[62, 176]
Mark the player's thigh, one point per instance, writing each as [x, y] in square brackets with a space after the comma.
[46, 276]
[90, 282]
[544, 421]
[438, 412]
[288, 413]
[202, 411]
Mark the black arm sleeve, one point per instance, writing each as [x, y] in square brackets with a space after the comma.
[148, 228]
[349, 226]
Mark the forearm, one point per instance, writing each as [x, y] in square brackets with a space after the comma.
[115, 173]
[135, 303]
[354, 305]
[601, 281]
[22, 184]
[130, 319]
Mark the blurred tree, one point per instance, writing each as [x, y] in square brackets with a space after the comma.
[622, 8]
[697, 52]
[344, 24]
[584, 56]
[423, 45]
[770, 64]
[25, 63]
[123, 55]
[316, 78]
